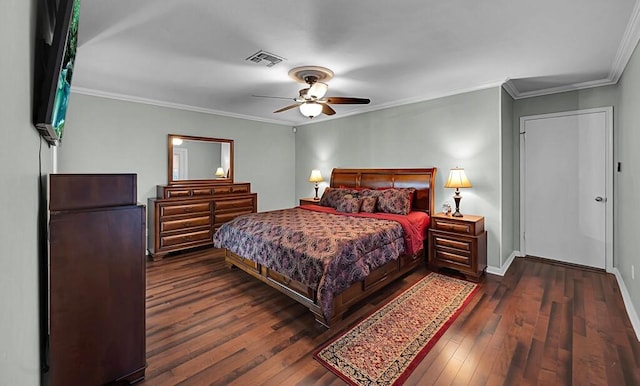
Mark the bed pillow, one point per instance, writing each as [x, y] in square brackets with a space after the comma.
[332, 196]
[412, 191]
[368, 204]
[369, 193]
[348, 204]
[397, 201]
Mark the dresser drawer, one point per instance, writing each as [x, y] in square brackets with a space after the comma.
[186, 238]
[171, 225]
[234, 203]
[180, 209]
[196, 192]
[221, 218]
[228, 189]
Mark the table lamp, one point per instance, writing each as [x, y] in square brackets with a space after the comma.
[316, 177]
[457, 179]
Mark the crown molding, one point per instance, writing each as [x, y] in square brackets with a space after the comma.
[511, 88]
[627, 45]
[154, 102]
[516, 94]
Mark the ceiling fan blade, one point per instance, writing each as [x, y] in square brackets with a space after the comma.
[327, 109]
[348, 100]
[269, 96]
[287, 108]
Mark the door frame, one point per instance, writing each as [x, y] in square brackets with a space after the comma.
[609, 203]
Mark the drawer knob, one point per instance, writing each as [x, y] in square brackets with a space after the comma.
[187, 224]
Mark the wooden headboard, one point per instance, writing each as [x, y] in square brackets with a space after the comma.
[423, 180]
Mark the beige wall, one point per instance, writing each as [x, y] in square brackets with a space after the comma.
[19, 347]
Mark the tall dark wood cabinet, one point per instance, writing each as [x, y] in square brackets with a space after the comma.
[96, 280]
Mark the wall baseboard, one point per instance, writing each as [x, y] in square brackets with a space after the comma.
[505, 267]
[628, 304]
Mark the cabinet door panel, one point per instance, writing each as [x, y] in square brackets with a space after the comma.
[96, 290]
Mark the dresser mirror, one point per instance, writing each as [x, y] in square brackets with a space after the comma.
[195, 160]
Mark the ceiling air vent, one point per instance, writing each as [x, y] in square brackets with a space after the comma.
[266, 58]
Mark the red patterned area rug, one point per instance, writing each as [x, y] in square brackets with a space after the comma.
[385, 347]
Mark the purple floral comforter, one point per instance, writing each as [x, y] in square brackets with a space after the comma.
[325, 251]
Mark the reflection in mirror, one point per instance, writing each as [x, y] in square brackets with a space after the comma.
[200, 159]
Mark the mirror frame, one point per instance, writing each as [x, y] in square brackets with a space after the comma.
[172, 182]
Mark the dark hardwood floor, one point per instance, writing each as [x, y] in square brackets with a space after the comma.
[540, 324]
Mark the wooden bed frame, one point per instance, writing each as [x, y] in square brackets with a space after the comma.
[423, 180]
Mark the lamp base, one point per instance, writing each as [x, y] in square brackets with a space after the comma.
[457, 197]
[316, 197]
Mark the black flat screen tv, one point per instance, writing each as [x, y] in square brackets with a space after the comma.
[56, 44]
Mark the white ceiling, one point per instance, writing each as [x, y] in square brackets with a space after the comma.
[191, 53]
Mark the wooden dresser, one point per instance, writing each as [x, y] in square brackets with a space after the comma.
[186, 216]
[458, 243]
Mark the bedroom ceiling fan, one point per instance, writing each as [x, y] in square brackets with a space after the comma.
[312, 100]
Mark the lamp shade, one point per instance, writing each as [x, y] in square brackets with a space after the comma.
[219, 172]
[457, 179]
[315, 176]
[317, 90]
[311, 109]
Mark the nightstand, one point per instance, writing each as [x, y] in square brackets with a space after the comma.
[458, 243]
[309, 201]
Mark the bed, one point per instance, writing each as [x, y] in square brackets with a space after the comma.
[329, 259]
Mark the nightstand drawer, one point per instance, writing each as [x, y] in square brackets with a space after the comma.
[445, 257]
[451, 227]
[468, 225]
[459, 244]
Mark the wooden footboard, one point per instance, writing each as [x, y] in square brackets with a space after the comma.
[307, 296]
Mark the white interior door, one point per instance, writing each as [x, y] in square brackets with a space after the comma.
[565, 193]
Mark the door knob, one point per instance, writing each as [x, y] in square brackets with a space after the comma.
[600, 199]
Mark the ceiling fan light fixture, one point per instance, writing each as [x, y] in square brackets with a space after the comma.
[311, 109]
[318, 90]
